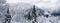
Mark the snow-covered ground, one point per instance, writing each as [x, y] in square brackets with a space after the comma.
[40, 19]
[48, 20]
[19, 10]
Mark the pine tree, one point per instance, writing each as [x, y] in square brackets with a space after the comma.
[34, 13]
[8, 16]
[29, 16]
[8, 11]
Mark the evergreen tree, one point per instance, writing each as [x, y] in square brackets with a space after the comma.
[29, 16]
[8, 16]
[34, 13]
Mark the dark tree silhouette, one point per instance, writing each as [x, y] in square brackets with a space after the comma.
[34, 13]
[8, 11]
[8, 16]
[29, 16]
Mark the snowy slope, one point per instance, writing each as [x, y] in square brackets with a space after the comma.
[18, 11]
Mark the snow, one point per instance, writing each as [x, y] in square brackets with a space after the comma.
[48, 20]
[19, 11]
[18, 15]
[40, 19]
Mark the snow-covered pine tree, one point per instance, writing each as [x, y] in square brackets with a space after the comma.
[8, 16]
[34, 14]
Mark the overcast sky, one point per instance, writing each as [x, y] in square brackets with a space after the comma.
[44, 4]
[49, 5]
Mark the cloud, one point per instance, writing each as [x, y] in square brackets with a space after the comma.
[49, 5]
[24, 1]
[12, 1]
